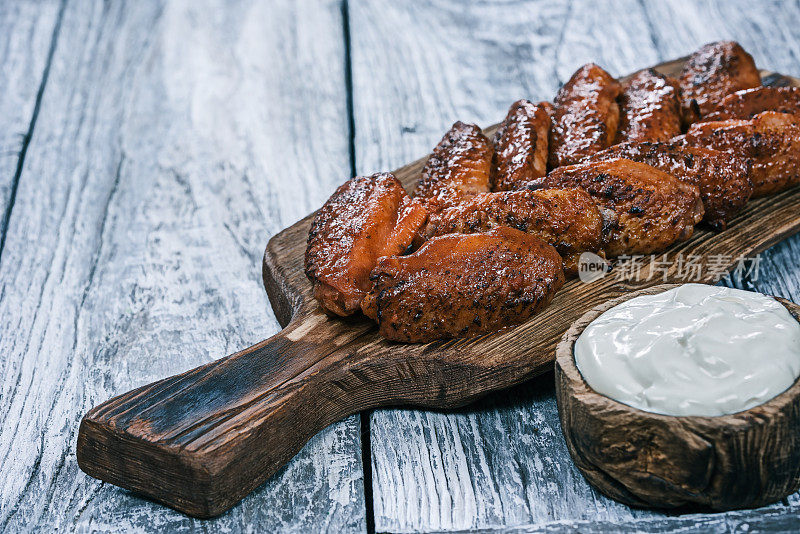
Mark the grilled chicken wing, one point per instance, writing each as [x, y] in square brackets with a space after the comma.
[463, 285]
[520, 146]
[770, 139]
[366, 218]
[586, 116]
[723, 178]
[549, 108]
[568, 219]
[654, 208]
[713, 72]
[748, 103]
[649, 108]
[458, 168]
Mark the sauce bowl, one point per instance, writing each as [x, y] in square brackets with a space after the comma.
[741, 460]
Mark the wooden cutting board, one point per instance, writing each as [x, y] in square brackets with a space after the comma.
[202, 440]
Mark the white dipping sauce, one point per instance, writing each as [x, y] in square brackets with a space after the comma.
[694, 350]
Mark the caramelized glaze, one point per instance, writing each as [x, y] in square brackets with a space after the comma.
[723, 178]
[649, 108]
[463, 285]
[585, 116]
[520, 146]
[713, 72]
[366, 218]
[748, 103]
[568, 219]
[770, 139]
[654, 208]
[458, 168]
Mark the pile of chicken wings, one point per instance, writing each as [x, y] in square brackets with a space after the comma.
[496, 226]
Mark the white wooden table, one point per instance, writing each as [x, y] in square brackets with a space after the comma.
[148, 151]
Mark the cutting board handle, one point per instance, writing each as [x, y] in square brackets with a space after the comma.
[202, 440]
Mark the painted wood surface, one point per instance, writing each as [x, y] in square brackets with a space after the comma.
[775, 519]
[416, 69]
[28, 32]
[172, 140]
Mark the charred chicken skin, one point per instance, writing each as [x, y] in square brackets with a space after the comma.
[366, 218]
[750, 102]
[463, 285]
[712, 73]
[585, 117]
[568, 219]
[492, 233]
[549, 108]
[723, 178]
[654, 208]
[770, 139]
[520, 146]
[649, 108]
[458, 168]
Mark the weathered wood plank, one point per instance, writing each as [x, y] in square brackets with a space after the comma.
[763, 520]
[416, 69]
[28, 30]
[766, 30]
[172, 141]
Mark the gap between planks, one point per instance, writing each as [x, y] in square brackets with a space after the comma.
[29, 133]
[366, 441]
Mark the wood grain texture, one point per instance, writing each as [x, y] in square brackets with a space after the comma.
[28, 31]
[503, 461]
[156, 172]
[775, 519]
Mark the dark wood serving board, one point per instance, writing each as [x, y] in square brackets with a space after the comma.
[202, 440]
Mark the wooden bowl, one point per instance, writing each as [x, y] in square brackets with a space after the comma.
[743, 460]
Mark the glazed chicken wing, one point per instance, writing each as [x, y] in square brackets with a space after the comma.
[568, 219]
[458, 168]
[366, 218]
[585, 117]
[770, 139]
[748, 103]
[520, 146]
[463, 285]
[654, 208]
[549, 108]
[723, 178]
[649, 108]
[712, 73]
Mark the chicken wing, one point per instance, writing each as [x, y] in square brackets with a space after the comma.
[654, 208]
[568, 219]
[585, 117]
[463, 285]
[458, 168]
[723, 178]
[748, 103]
[713, 72]
[520, 146]
[549, 108]
[770, 139]
[366, 218]
[649, 108]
